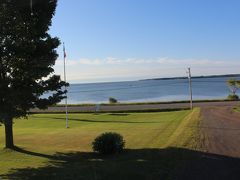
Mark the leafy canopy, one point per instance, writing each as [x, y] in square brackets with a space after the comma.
[234, 85]
[27, 56]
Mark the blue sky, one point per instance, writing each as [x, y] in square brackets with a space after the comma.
[113, 40]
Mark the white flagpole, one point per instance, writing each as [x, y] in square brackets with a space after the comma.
[190, 87]
[31, 6]
[65, 79]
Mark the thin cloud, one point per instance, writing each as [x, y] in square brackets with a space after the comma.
[112, 69]
[131, 61]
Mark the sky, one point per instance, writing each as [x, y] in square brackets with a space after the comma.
[119, 40]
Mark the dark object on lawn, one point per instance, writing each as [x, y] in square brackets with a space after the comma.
[112, 100]
[108, 143]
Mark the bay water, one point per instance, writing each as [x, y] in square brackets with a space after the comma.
[149, 90]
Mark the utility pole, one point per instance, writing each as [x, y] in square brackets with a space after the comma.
[190, 87]
[65, 79]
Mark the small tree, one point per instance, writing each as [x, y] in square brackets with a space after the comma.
[233, 85]
[112, 100]
[27, 57]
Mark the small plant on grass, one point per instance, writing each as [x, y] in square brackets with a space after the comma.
[108, 143]
[112, 100]
[233, 97]
[233, 85]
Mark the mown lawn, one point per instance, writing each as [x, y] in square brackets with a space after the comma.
[155, 143]
[236, 109]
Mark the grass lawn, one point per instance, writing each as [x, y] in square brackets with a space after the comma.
[156, 143]
[236, 109]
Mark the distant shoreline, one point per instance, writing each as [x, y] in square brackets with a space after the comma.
[166, 78]
[194, 77]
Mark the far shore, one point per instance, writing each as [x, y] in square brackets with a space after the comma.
[195, 77]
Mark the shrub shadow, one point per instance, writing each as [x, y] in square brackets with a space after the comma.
[141, 164]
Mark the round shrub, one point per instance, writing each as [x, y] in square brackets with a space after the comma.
[233, 97]
[108, 143]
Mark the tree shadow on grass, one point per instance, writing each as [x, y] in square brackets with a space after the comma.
[24, 151]
[119, 114]
[98, 121]
[140, 164]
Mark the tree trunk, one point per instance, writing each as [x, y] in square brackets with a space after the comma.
[8, 123]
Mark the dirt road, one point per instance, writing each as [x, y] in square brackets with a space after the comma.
[220, 157]
[221, 129]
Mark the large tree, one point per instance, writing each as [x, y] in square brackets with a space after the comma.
[27, 56]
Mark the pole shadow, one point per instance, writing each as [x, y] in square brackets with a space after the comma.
[98, 121]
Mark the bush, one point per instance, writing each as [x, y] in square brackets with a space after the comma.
[108, 143]
[233, 97]
[112, 100]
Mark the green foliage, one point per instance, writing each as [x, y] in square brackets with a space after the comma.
[27, 56]
[233, 97]
[108, 143]
[112, 100]
[233, 85]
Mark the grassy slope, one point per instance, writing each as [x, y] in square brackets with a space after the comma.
[146, 135]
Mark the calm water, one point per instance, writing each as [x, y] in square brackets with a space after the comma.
[148, 91]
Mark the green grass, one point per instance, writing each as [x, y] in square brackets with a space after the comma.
[49, 149]
[236, 109]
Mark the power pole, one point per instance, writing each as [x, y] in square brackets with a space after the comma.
[190, 87]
